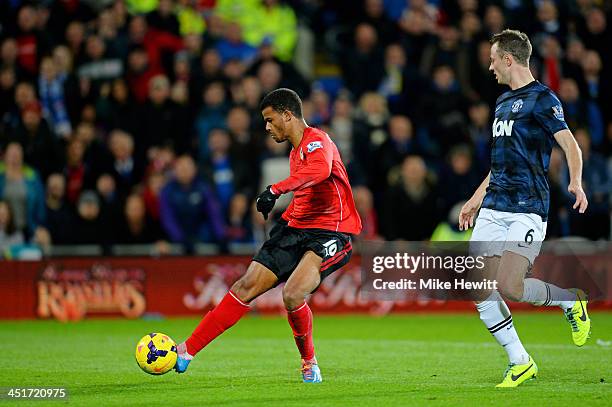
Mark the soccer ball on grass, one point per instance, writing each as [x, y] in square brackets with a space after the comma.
[156, 353]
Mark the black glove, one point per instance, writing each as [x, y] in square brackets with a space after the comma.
[265, 202]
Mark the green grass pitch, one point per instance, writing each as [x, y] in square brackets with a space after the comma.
[425, 359]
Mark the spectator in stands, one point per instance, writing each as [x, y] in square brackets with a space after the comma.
[374, 15]
[399, 145]
[595, 31]
[41, 149]
[191, 22]
[90, 225]
[155, 42]
[370, 131]
[189, 211]
[247, 144]
[99, 66]
[9, 53]
[22, 189]
[30, 43]
[212, 115]
[163, 125]
[363, 63]
[183, 115]
[402, 84]
[60, 216]
[280, 25]
[444, 109]
[75, 40]
[24, 95]
[51, 91]
[97, 156]
[598, 184]
[209, 71]
[62, 12]
[7, 90]
[479, 132]
[548, 21]
[364, 202]
[140, 71]
[9, 235]
[164, 18]
[550, 63]
[181, 68]
[598, 85]
[127, 169]
[232, 45]
[112, 31]
[580, 112]
[154, 183]
[571, 65]
[270, 76]
[78, 173]
[115, 106]
[447, 50]
[494, 20]
[111, 202]
[251, 97]
[63, 62]
[417, 25]
[137, 227]
[457, 178]
[410, 211]
[226, 174]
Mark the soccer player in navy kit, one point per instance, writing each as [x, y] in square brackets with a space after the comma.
[514, 198]
[311, 241]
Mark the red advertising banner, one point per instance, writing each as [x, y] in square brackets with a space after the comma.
[72, 289]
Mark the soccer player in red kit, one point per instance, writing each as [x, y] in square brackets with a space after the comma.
[311, 241]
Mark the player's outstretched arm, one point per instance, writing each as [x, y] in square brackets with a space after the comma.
[318, 169]
[468, 212]
[573, 155]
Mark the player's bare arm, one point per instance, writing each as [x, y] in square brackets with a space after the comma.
[573, 156]
[468, 211]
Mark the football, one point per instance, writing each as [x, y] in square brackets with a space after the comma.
[156, 353]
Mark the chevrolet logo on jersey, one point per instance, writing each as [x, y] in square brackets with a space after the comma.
[502, 127]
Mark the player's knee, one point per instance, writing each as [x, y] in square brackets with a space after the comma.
[292, 297]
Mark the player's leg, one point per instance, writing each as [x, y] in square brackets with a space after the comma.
[304, 280]
[525, 237]
[487, 238]
[325, 253]
[257, 280]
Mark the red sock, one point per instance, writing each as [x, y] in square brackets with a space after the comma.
[300, 320]
[215, 322]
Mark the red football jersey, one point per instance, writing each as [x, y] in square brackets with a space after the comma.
[322, 194]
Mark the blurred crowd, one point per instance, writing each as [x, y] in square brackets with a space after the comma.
[137, 121]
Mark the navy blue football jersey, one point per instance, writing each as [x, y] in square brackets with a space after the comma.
[525, 121]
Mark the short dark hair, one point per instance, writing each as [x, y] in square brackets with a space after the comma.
[282, 100]
[515, 43]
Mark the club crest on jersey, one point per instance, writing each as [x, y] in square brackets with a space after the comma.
[313, 145]
[517, 105]
[502, 127]
[558, 112]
